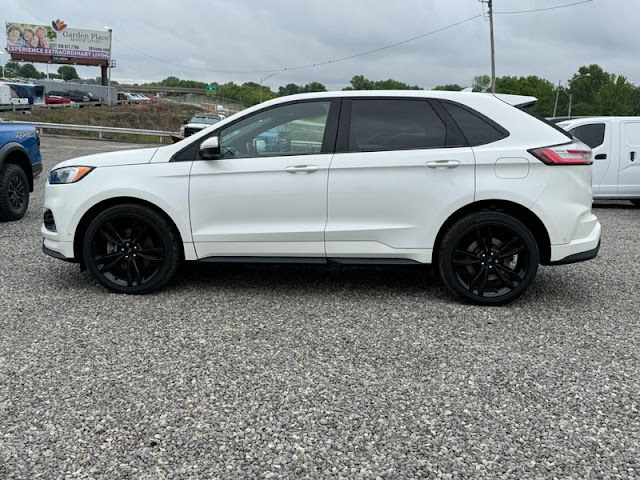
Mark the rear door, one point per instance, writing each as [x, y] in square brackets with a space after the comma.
[629, 173]
[398, 167]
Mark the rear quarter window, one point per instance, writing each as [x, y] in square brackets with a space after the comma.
[478, 129]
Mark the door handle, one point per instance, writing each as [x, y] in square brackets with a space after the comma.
[601, 156]
[443, 164]
[633, 156]
[302, 168]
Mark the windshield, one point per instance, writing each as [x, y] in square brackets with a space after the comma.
[203, 119]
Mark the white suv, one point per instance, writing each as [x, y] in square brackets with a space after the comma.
[464, 180]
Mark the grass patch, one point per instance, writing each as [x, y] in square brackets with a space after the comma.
[164, 116]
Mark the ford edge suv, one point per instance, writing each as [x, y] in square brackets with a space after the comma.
[465, 181]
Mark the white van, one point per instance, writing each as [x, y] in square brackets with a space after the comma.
[615, 142]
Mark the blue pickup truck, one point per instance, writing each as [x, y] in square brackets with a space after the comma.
[20, 163]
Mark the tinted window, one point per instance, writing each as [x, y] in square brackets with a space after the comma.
[592, 134]
[295, 129]
[475, 128]
[394, 125]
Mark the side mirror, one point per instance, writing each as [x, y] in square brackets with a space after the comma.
[210, 148]
[184, 122]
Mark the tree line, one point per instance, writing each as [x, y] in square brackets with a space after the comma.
[591, 90]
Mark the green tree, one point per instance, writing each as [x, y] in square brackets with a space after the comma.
[289, 89]
[314, 87]
[452, 87]
[29, 71]
[11, 69]
[584, 88]
[481, 83]
[68, 72]
[615, 98]
[359, 82]
[532, 86]
[292, 88]
[635, 101]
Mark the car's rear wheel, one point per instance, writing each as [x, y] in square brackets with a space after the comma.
[14, 192]
[131, 249]
[488, 258]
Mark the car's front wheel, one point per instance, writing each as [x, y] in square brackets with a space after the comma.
[488, 258]
[131, 249]
[14, 192]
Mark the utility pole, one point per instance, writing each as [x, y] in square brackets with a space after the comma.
[493, 50]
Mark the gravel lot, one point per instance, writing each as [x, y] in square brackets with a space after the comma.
[316, 372]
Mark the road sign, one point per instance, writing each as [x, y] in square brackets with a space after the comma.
[210, 90]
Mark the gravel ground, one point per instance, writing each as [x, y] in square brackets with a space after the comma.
[316, 372]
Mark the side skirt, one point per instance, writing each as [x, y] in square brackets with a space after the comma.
[311, 260]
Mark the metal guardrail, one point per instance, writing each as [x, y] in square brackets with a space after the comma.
[40, 126]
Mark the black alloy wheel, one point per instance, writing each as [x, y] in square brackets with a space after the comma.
[488, 258]
[131, 249]
[14, 192]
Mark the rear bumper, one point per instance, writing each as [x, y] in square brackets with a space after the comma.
[578, 250]
[578, 257]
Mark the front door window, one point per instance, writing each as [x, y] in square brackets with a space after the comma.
[295, 129]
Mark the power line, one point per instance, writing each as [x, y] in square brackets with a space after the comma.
[349, 57]
[544, 9]
[310, 65]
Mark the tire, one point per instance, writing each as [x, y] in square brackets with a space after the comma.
[14, 192]
[636, 202]
[488, 258]
[131, 249]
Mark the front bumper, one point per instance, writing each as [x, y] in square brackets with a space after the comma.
[58, 255]
[56, 248]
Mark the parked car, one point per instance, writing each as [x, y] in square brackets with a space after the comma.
[199, 122]
[74, 96]
[56, 100]
[615, 142]
[20, 164]
[467, 181]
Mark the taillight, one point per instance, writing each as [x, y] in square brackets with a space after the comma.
[574, 153]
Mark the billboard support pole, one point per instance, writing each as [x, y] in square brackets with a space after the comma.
[110, 30]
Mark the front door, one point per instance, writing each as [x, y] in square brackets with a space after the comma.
[267, 194]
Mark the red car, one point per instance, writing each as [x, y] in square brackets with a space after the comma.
[56, 100]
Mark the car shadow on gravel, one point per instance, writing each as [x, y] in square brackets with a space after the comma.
[327, 280]
[308, 277]
[618, 205]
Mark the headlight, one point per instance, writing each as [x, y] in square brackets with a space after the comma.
[68, 174]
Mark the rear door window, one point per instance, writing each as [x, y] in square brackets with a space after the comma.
[394, 124]
[592, 134]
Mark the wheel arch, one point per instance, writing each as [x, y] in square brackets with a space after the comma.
[112, 202]
[16, 154]
[521, 213]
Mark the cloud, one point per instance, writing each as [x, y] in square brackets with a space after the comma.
[211, 37]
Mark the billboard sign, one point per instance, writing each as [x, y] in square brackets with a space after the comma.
[57, 40]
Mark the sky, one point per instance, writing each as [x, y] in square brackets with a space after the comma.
[258, 41]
